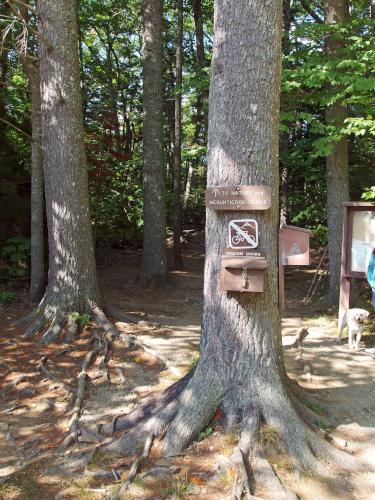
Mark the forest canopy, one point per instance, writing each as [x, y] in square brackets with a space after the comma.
[110, 47]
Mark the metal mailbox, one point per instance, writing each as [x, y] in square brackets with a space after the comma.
[294, 246]
[242, 274]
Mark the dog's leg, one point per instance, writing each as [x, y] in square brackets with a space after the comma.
[342, 323]
[350, 339]
[358, 340]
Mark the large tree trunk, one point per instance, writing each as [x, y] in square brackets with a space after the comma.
[154, 264]
[37, 284]
[240, 344]
[72, 283]
[336, 11]
[241, 367]
[177, 206]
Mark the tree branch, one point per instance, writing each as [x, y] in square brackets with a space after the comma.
[309, 10]
[16, 128]
[37, 33]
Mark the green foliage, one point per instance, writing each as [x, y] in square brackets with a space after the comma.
[15, 256]
[322, 424]
[369, 194]
[80, 319]
[6, 296]
[111, 59]
[204, 434]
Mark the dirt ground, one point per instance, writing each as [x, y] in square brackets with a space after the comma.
[35, 410]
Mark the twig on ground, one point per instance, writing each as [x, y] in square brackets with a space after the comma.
[134, 468]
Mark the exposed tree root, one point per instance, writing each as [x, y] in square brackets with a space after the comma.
[187, 407]
[44, 370]
[121, 375]
[73, 424]
[24, 320]
[114, 313]
[148, 408]
[136, 342]
[72, 329]
[52, 320]
[265, 475]
[102, 320]
[239, 461]
[134, 468]
[11, 385]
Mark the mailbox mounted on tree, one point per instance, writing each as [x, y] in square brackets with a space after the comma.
[243, 273]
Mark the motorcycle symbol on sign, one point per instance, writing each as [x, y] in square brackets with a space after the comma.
[243, 233]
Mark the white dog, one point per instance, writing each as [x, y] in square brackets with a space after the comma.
[354, 319]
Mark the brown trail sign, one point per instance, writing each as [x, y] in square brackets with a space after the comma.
[238, 197]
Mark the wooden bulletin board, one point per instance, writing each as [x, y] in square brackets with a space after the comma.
[357, 244]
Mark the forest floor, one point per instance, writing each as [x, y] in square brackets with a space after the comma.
[35, 410]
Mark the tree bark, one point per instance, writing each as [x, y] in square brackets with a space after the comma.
[154, 264]
[177, 208]
[336, 11]
[72, 283]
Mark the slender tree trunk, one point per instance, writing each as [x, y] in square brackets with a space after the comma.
[336, 11]
[112, 96]
[4, 146]
[202, 97]
[154, 264]
[189, 179]
[284, 136]
[37, 284]
[37, 278]
[82, 73]
[72, 283]
[372, 9]
[177, 208]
